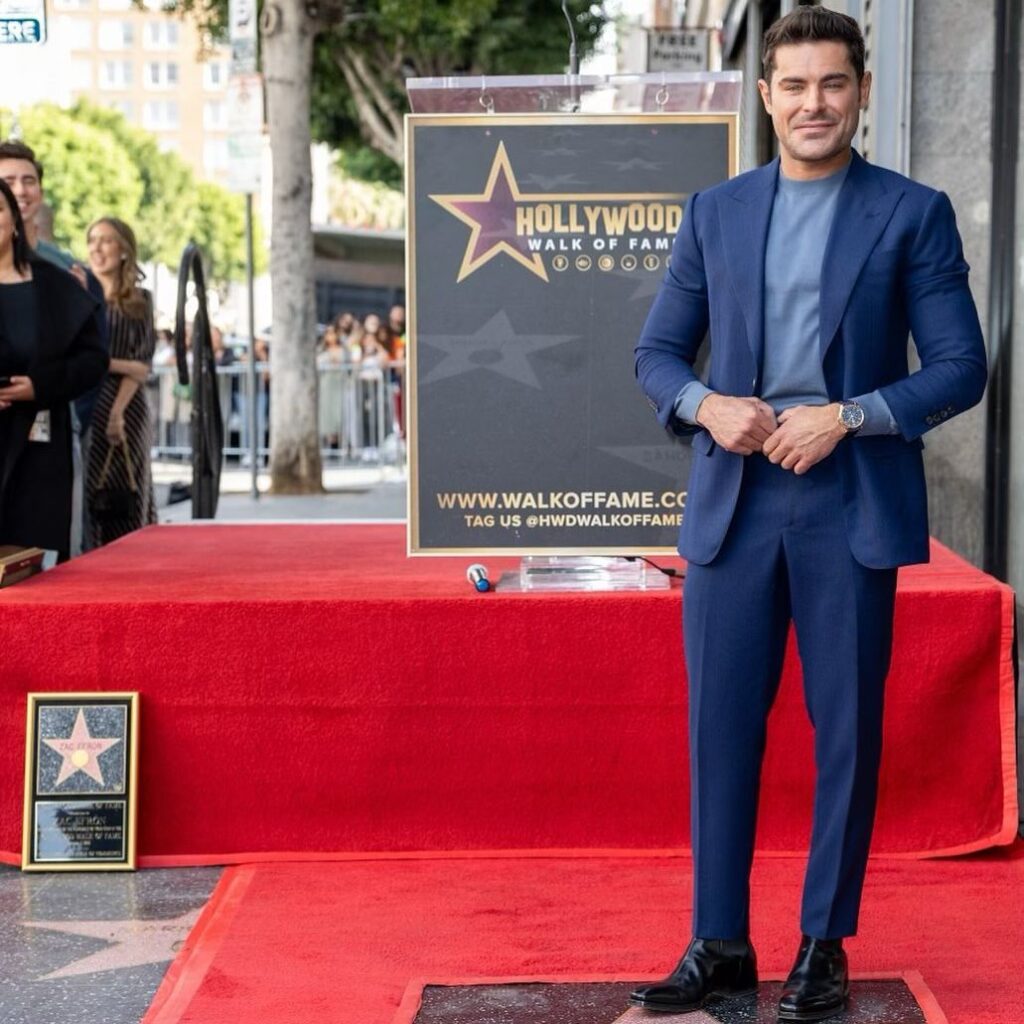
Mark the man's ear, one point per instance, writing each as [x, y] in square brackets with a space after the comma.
[766, 95]
[865, 90]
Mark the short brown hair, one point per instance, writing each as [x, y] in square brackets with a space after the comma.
[13, 149]
[813, 24]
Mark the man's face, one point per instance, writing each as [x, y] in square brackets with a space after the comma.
[814, 100]
[24, 182]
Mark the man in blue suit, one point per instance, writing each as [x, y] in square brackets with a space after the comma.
[807, 487]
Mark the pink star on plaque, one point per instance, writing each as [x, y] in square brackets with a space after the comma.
[80, 751]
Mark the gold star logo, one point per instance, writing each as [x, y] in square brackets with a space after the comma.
[491, 216]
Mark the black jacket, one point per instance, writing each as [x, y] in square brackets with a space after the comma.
[70, 358]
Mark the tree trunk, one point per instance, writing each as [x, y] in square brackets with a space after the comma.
[288, 33]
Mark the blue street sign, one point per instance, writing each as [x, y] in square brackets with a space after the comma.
[20, 30]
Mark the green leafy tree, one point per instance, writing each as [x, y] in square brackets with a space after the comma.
[87, 173]
[97, 165]
[220, 232]
[362, 61]
[366, 51]
[166, 217]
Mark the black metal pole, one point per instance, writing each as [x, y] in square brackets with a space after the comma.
[207, 427]
[1005, 129]
[574, 61]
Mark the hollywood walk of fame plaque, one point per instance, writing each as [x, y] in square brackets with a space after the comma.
[81, 758]
[535, 247]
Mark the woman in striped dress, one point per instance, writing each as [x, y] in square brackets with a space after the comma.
[121, 421]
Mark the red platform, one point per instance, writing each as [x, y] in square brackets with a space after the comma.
[309, 689]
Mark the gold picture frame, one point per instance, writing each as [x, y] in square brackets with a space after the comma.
[81, 782]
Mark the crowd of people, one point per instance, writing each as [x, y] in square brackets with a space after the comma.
[360, 367]
[76, 347]
[360, 371]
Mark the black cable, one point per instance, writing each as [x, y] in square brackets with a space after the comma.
[676, 574]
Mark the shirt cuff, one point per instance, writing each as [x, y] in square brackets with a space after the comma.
[878, 417]
[688, 401]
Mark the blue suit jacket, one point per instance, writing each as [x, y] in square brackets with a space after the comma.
[893, 267]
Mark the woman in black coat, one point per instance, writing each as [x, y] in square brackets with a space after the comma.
[50, 352]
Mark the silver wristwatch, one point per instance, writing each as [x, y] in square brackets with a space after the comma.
[851, 416]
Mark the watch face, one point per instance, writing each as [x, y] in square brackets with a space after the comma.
[852, 416]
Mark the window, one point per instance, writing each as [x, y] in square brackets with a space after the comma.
[116, 35]
[215, 156]
[161, 35]
[71, 5]
[160, 115]
[81, 74]
[169, 145]
[115, 74]
[77, 31]
[214, 115]
[215, 74]
[115, 5]
[161, 74]
[124, 107]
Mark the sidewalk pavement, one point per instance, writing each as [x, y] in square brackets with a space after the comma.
[351, 492]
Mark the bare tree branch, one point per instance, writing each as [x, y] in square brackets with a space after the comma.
[372, 124]
[380, 98]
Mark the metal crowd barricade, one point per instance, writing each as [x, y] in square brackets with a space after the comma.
[360, 413]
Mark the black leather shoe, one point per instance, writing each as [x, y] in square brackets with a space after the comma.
[818, 987]
[709, 969]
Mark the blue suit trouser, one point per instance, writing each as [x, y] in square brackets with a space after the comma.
[785, 558]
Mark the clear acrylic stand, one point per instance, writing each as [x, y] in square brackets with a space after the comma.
[716, 92]
[583, 572]
[681, 92]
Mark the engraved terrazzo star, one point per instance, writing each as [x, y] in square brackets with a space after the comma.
[80, 751]
[132, 943]
[634, 1015]
[495, 347]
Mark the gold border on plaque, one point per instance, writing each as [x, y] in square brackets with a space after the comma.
[412, 121]
[130, 700]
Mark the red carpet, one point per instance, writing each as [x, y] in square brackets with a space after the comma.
[342, 942]
[309, 688]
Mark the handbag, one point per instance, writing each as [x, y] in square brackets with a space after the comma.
[112, 503]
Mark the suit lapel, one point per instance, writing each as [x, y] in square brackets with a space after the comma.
[744, 216]
[863, 210]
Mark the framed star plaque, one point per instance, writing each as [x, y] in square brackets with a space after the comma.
[535, 246]
[81, 769]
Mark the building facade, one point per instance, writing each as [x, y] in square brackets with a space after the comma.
[155, 68]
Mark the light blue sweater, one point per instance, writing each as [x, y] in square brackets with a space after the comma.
[791, 373]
